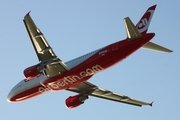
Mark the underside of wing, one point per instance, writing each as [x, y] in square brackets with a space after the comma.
[93, 90]
[41, 46]
[50, 64]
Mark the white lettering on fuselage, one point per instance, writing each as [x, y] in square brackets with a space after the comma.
[102, 52]
[68, 80]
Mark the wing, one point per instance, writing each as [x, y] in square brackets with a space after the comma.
[93, 90]
[49, 62]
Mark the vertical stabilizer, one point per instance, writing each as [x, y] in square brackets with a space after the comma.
[144, 22]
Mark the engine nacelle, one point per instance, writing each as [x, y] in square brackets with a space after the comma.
[74, 101]
[31, 72]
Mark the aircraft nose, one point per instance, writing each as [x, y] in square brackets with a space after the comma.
[10, 96]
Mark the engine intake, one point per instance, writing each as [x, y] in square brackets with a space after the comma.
[75, 101]
[31, 72]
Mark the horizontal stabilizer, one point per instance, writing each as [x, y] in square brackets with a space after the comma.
[153, 46]
[131, 30]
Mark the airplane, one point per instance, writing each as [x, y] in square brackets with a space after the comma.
[52, 74]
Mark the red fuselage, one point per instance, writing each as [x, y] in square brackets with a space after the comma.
[100, 60]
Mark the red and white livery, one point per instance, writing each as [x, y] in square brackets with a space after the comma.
[52, 74]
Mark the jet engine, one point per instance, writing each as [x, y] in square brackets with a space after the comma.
[74, 101]
[31, 72]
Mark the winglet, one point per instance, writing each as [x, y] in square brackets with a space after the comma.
[151, 104]
[28, 13]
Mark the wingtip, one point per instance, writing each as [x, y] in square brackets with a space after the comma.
[151, 104]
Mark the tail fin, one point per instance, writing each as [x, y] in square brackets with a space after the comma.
[142, 27]
[144, 22]
[134, 32]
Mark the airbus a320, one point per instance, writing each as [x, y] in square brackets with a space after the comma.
[52, 74]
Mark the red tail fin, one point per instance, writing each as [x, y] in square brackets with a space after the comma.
[144, 22]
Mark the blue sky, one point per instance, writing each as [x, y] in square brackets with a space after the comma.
[74, 28]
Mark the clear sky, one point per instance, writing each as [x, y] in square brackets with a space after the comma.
[75, 27]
